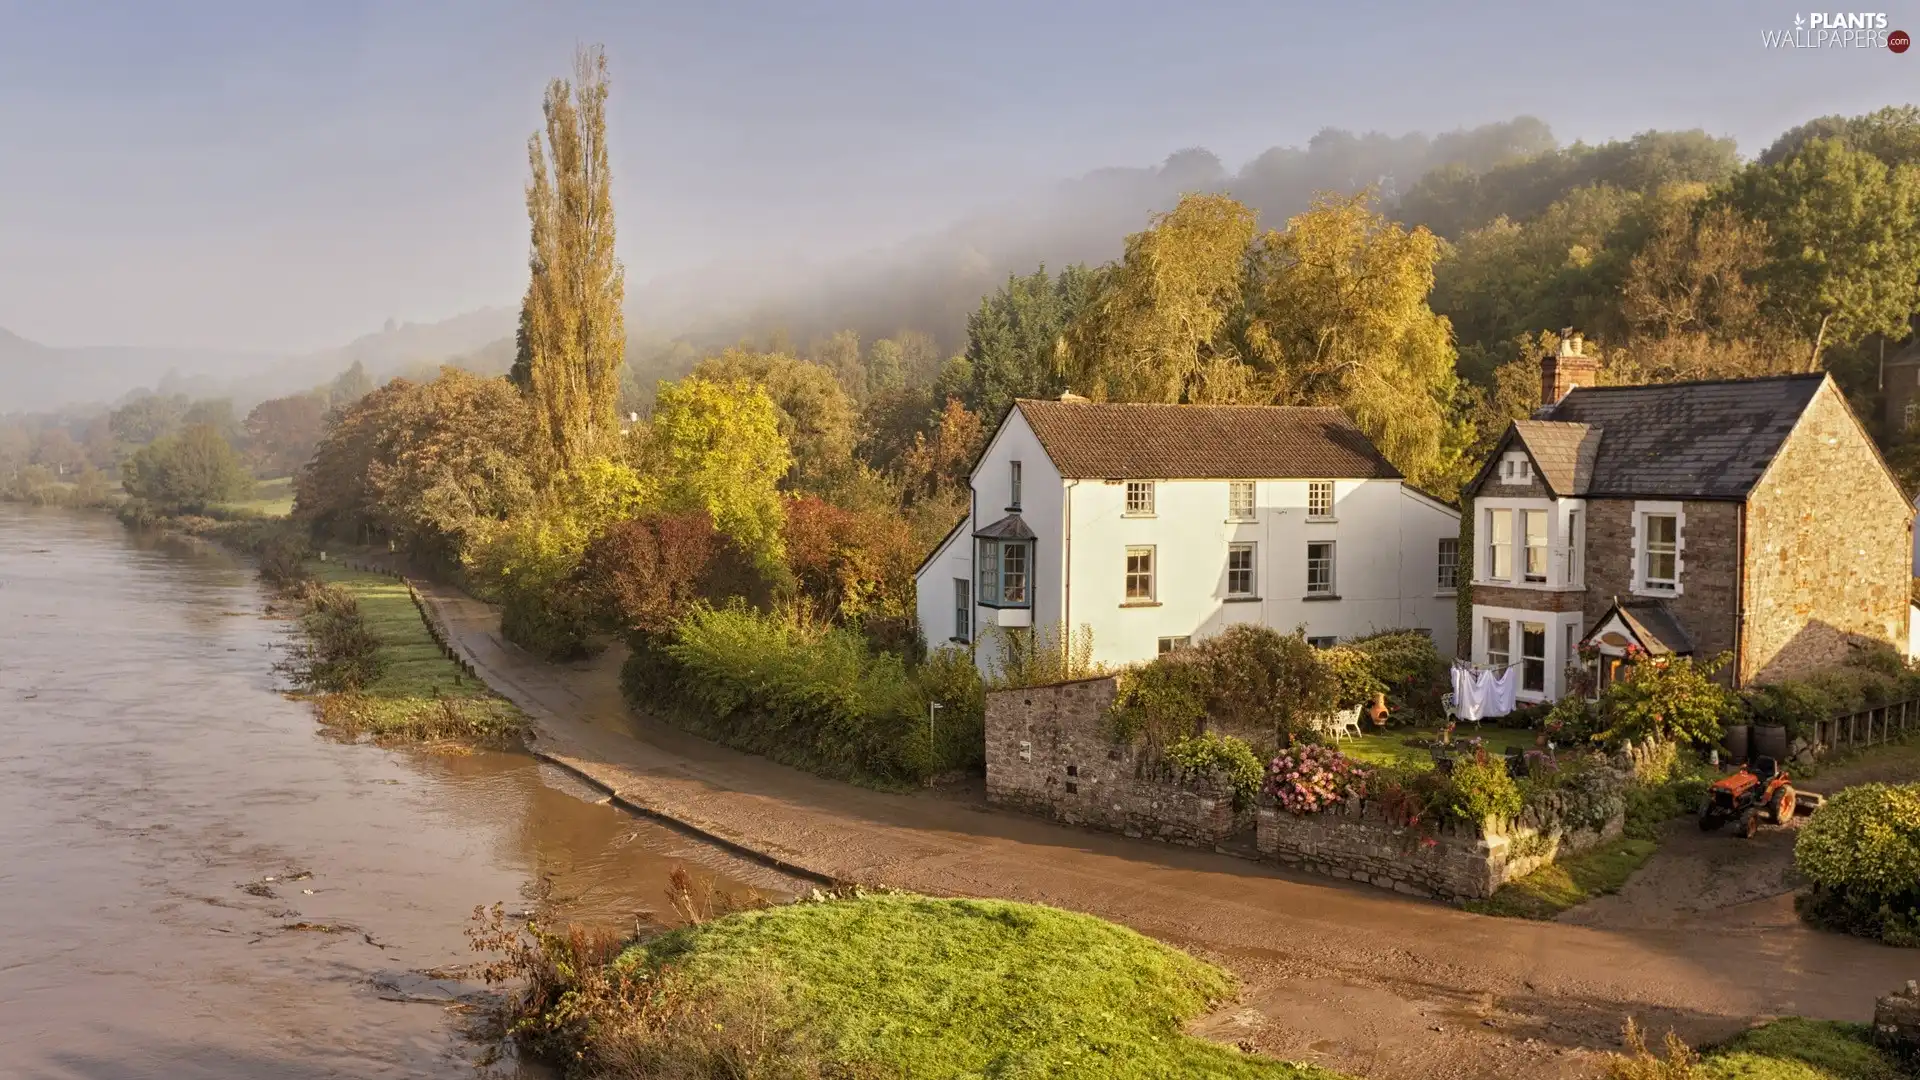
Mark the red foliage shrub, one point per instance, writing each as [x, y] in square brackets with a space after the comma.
[645, 573]
[855, 567]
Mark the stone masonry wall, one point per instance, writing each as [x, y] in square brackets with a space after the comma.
[1830, 549]
[1050, 752]
[1709, 568]
[1355, 841]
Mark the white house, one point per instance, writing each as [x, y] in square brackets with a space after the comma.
[1159, 524]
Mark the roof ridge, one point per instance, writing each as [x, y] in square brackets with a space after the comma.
[1789, 377]
[1180, 405]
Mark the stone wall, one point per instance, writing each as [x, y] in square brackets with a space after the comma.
[1896, 1021]
[1355, 841]
[1830, 549]
[1709, 568]
[1050, 752]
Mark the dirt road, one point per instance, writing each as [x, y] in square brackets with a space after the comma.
[1375, 985]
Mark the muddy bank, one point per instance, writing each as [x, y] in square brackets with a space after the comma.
[155, 779]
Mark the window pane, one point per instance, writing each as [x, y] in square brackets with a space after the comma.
[1013, 573]
[1014, 480]
[1140, 573]
[1499, 642]
[989, 572]
[1500, 544]
[1661, 563]
[962, 610]
[1535, 523]
[1323, 642]
[1533, 656]
[1139, 496]
[1240, 561]
[1320, 498]
[1169, 644]
[1319, 568]
[1240, 500]
[1449, 572]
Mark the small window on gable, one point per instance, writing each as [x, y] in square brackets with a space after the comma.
[1013, 481]
[1240, 500]
[1320, 498]
[1515, 468]
[1140, 498]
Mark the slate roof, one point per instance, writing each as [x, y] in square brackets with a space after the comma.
[1010, 527]
[1109, 441]
[1700, 440]
[1652, 622]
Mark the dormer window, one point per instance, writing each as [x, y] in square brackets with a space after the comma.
[1516, 468]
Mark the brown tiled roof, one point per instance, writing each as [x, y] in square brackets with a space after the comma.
[1105, 441]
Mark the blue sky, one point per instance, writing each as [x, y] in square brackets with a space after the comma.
[288, 175]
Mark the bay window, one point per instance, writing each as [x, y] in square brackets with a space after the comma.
[1500, 545]
[1005, 568]
[1533, 657]
[1535, 523]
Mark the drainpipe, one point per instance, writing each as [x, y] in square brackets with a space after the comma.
[1740, 601]
[1066, 569]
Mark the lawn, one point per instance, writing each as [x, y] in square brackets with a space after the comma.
[1569, 882]
[271, 498]
[420, 693]
[1797, 1049]
[1391, 748]
[935, 989]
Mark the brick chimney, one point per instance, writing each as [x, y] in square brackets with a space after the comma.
[1566, 369]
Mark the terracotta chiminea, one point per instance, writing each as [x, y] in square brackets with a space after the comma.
[1377, 712]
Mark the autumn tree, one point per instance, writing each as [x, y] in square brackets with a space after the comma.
[1843, 235]
[1153, 329]
[349, 386]
[187, 472]
[816, 417]
[281, 433]
[575, 331]
[146, 418]
[855, 567]
[840, 354]
[649, 571]
[715, 446]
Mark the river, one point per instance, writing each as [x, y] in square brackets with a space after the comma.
[161, 800]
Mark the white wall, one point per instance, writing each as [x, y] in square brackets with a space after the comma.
[1386, 545]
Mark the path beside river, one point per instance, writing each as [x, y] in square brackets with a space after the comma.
[1375, 984]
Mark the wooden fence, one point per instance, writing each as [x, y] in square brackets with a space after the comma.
[435, 630]
[1869, 727]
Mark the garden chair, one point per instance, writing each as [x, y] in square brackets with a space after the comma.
[1347, 724]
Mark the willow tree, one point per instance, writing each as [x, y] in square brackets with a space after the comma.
[1155, 328]
[575, 336]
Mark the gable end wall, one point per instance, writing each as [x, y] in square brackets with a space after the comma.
[1829, 549]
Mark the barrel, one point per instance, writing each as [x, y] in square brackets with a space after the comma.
[1736, 742]
[1770, 740]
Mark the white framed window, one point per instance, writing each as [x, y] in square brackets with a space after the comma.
[1139, 498]
[1240, 500]
[1499, 643]
[1499, 545]
[1576, 541]
[1170, 644]
[962, 609]
[1320, 568]
[1139, 574]
[1533, 657]
[1319, 498]
[1516, 468]
[1571, 658]
[1659, 545]
[989, 570]
[1013, 573]
[1535, 524]
[1327, 642]
[1013, 484]
[1447, 577]
[1240, 575]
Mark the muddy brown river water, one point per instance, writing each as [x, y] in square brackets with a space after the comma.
[153, 778]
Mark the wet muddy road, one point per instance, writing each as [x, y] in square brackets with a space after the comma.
[196, 885]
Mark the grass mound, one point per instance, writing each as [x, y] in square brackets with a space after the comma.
[417, 695]
[1789, 1049]
[1569, 882]
[897, 985]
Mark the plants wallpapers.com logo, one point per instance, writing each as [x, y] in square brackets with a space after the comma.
[1838, 30]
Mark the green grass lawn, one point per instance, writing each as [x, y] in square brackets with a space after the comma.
[271, 498]
[1569, 882]
[420, 693]
[1391, 748]
[1796, 1049]
[937, 989]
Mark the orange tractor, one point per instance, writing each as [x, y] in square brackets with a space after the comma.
[1759, 790]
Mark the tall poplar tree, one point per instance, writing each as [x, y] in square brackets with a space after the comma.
[575, 334]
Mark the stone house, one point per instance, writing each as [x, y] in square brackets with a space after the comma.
[1157, 525]
[1746, 516]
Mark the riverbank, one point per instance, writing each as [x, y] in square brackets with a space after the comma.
[1370, 985]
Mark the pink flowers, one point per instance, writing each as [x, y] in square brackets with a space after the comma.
[1308, 779]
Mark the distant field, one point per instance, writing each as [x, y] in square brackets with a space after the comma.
[271, 498]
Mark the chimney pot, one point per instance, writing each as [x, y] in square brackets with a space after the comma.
[1566, 368]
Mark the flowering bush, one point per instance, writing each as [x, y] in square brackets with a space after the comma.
[1308, 779]
[1669, 698]
[1481, 788]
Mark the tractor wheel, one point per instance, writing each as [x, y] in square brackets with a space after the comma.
[1750, 824]
[1783, 804]
[1710, 821]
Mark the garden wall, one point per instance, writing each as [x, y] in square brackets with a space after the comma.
[1050, 751]
[1355, 841]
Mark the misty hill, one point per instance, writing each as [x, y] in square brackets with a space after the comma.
[36, 377]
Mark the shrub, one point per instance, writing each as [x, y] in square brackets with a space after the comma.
[1480, 789]
[857, 567]
[1794, 705]
[646, 573]
[1263, 681]
[1308, 779]
[1225, 758]
[283, 560]
[1163, 702]
[1862, 852]
[338, 652]
[815, 696]
[948, 676]
[1039, 656]
[1406, 667]
[1352, 674]
[1671, 698]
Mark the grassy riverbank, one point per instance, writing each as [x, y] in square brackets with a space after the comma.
[415, 694]
[884, 986]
